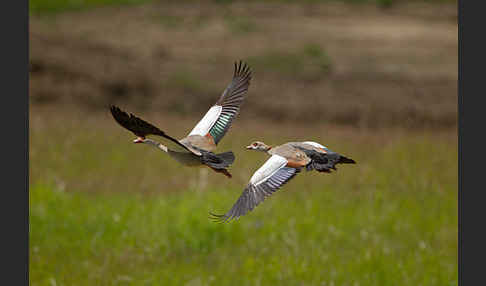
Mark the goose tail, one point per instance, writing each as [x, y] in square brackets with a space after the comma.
[327, 162]
[346, 160]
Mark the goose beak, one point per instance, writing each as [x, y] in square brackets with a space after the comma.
[249, 147]
[139, 140]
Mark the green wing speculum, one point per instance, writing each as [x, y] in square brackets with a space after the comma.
[231, 100]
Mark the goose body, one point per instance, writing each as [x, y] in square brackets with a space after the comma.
[284, 163]
[196, 149]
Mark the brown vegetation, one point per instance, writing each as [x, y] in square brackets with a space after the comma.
[359, 66]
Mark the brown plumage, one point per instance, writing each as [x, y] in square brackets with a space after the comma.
[197, 148]
[285, 162]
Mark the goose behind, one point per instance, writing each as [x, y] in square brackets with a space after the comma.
[197, 148]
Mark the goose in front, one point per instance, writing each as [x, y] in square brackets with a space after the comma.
[284, 163]
[196, 149]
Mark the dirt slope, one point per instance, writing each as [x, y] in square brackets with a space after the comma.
[343, 64]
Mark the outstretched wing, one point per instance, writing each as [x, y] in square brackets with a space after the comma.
[266, 180]
[131, 122]
[142, 128]
[218, 119]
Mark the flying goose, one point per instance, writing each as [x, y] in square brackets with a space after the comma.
[285, 162]
[196, 149]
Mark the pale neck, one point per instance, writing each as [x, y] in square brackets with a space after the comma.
[264, 150]
[155, 144]
[268, 149]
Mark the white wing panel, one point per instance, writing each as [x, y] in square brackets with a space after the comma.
[267, 170]
[204, 125]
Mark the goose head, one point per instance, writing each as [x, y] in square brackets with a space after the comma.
[258, 146]
[140, 139]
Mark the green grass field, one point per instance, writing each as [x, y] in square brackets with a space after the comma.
[104, 211]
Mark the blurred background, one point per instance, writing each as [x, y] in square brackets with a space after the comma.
[374, 80]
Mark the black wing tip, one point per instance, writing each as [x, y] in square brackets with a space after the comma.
[119, 115]
[136, 125]
[242, 69]
[114, 109]
[117, 112]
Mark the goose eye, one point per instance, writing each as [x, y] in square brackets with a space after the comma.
[254, 144]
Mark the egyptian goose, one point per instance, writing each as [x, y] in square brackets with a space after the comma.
[285, 162]
[197, 148]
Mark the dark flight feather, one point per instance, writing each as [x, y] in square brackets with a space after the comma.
[231, 100]
[254, 195]
[140, 127]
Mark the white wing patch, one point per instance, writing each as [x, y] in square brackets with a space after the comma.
[274, 176]
[270, 167]
[204, 125]
[317, 145]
